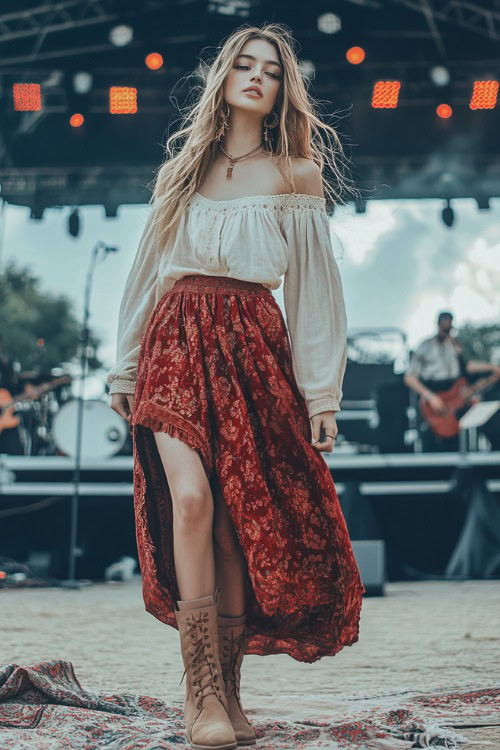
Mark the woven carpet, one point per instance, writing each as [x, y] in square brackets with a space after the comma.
[44, 707]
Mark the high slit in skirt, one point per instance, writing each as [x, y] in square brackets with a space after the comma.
[215, 371]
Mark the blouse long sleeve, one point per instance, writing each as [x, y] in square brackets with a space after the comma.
[315, 308]
[137, 304]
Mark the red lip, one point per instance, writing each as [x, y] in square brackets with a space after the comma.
[253, 88]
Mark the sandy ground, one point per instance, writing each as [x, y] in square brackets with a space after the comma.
[419, 635]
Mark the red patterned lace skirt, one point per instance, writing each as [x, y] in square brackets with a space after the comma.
[215, 370]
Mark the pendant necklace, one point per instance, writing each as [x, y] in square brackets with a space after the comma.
[234, 159]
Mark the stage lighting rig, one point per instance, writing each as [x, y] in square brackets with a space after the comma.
[240, 8]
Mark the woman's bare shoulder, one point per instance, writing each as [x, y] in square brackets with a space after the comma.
[307, 177]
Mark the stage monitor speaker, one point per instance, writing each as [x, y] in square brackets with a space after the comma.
[392, 400]
[370, 557]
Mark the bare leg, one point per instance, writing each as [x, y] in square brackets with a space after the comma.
[230, 562]
[199, 521]
[192, 503]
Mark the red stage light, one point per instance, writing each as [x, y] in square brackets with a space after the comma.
[385, 94]
[122, 100]
[444, 110]
[76, 120]
[484, 95]
[154, 60]
[355, 55]
[27, 97]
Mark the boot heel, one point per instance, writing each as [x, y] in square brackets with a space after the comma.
[231, 651]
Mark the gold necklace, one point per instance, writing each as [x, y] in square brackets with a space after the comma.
[234, 159]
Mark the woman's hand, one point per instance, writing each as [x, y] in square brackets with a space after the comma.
[123, 404]
[325, 419]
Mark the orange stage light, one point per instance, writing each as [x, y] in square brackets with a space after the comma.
[385, 94]
[355, 55]
[27, 97]
[122, 100]
[154, 60]
[484, 95]
[444, 110]
[76, 120]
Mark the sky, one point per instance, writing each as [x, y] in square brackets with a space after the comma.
[400, 264]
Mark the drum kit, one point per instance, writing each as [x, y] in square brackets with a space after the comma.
[46, 422]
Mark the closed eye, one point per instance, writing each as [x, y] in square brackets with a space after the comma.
[246, 67]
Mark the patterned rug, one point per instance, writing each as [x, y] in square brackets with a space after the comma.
[44, 707]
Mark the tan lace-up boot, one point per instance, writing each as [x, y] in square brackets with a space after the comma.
[231, 651]
[205, 706]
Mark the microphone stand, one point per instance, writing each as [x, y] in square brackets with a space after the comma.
[71, 582]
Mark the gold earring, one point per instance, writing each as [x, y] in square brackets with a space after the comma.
[224, 124]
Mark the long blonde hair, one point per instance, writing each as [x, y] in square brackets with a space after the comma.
[190, 151]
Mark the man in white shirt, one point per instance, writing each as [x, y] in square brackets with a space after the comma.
[434, 366]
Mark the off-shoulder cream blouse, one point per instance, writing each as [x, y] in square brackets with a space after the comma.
[257, 238]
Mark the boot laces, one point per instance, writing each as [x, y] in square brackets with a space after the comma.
[231, 667]
[198, 658]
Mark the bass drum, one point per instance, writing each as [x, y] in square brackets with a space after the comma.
[104, 432]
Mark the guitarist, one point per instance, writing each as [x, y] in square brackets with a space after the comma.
[435, 366]
[10, 441]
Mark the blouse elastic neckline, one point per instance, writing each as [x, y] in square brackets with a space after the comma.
[261, 198]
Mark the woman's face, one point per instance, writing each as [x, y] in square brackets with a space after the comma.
[256, 65]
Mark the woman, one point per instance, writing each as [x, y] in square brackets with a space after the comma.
[238, 521]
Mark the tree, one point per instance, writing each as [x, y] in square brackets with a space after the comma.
[39, 329]
[481, 341]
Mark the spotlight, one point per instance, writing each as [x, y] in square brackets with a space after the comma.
[329, 23]
[448, 214]
[444, 111]
[484, 95]
[37, 212]
[27, 97]
[483, 203]
[121, 35]
[355, 55]
[74, 223]
[122, 100]
[82, 82]
[76, 120]
[386, 94]
[308, 68]
[440, 76]
[154, 60]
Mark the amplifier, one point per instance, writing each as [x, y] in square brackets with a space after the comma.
[370, 557]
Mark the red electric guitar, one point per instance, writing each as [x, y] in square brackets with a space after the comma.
[8, 404]
[455, 398]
